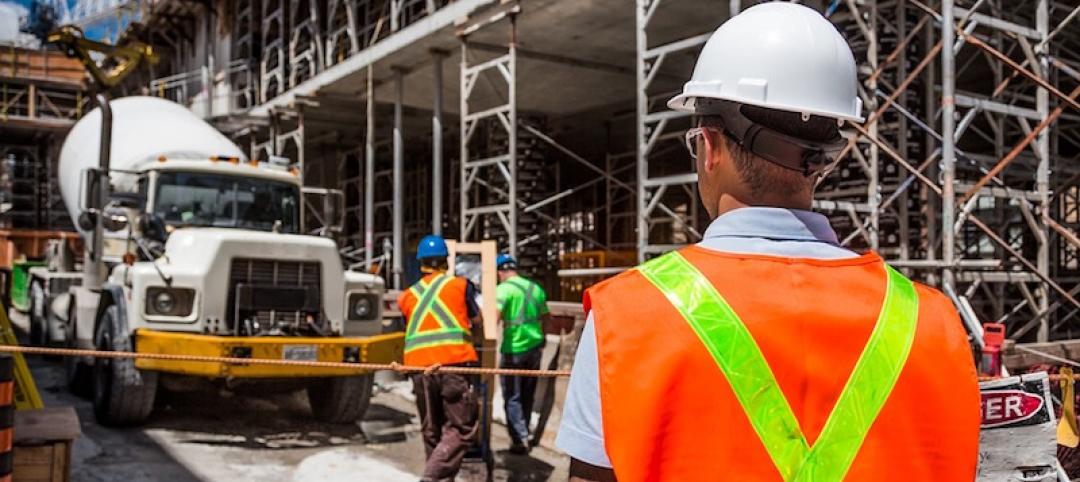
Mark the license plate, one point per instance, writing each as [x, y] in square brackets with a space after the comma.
[300, 352]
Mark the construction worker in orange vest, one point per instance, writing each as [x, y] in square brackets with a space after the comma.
[768, 352]
[440, 311]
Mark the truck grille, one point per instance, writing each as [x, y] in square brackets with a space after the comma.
[273, 274]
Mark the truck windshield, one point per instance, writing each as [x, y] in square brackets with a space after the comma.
[200, 199]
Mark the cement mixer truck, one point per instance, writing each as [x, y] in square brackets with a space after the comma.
[194, 249]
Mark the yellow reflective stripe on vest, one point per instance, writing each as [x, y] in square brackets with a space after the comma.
[738, 356]
[430, 303]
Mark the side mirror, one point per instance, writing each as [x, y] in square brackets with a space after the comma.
[87, 220]
[115, 222]
[131, 200]
[115, 219]
[153, 227]
[93, 182]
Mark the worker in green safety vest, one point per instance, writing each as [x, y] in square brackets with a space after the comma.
[523, 312]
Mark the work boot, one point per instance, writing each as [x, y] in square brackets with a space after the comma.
[518, 448]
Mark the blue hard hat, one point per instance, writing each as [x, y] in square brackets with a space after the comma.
[504, 259]
[432, 246]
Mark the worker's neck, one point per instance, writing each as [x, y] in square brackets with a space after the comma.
[428, 270]
[729, 202]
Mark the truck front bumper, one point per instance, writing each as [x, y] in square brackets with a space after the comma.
[369, 349]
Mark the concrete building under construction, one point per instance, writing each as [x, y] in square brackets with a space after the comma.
[542, 124]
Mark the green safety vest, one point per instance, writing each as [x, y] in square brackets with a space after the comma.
[738, 356]
[521, 302]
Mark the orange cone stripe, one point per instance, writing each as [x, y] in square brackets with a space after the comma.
[6, 437]
[7, 392]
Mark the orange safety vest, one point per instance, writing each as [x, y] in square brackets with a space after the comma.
[670, 413]
[438, 321]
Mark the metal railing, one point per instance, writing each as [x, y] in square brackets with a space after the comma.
[184, 87]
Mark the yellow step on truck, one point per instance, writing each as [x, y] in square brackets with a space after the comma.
[194, 249]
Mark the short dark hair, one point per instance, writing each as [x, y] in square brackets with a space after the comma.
[434, 263]
[760, 174]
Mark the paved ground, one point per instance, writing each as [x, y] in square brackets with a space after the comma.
[216, 436]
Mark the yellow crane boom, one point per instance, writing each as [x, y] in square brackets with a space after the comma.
[124, 57]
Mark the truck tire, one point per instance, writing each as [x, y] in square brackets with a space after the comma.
[340, 399]
[123, 394]
[77, 375]
[39, 321]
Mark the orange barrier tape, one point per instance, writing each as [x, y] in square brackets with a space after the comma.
[7, 392]
[33, 350]
[1053, 377]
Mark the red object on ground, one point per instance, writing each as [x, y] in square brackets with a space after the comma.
[993, 339]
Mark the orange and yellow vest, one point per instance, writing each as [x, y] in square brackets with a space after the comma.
[437, 328]
[718, 366]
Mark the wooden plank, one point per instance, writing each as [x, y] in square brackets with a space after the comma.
[46, 425]
[42, 463]
[1017, 360]
[61, 462]
[34, 455]
[488, 280]
[38, 464]
[40, 64]
[31, 104]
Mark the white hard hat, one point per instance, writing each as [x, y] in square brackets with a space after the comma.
[780, 56]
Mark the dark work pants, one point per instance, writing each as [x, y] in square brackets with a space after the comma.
[518, 393]
[449, 421]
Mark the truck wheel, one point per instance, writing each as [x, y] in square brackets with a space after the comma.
[76, 373]
[340, 399]
[39, 328]
[123, 394]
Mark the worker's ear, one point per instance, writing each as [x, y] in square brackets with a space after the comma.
[716, 151]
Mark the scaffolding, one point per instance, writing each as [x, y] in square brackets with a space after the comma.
[489, 150]
[42, 94]
[964, 175]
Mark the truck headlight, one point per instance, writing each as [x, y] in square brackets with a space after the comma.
[176, 302]
[362, 307]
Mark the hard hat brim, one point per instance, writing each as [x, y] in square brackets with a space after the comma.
[684, 102]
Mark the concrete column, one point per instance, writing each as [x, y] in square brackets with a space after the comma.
[399, 178]
[437, 144]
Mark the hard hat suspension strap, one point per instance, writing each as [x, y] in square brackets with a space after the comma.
[806, 157]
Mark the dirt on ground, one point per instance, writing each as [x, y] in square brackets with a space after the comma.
[216, 435]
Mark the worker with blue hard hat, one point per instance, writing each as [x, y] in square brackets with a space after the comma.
[523, 313]
[432, 246]
[440, 311]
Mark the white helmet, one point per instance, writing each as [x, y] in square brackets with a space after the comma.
[781, 56]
